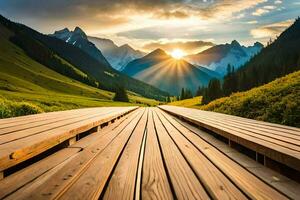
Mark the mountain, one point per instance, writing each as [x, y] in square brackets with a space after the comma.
[279, 58]
[118, 57]
[79, 39]
[218, 57]
[67, 59]
[164, 72]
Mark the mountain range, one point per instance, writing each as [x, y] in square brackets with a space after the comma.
[117, 56]
[79, 39]
[218, 57]
[162, 71]
[76, 62]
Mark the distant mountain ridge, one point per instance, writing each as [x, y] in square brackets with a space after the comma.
[277, 59]
[162, 71]
[218, 57]
[79, 39]
[117, 56]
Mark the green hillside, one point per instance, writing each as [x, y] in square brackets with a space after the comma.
[277, 102]
[28, 85]
[42, 48]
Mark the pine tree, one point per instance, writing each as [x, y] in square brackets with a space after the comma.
[182, 95]
[213, 91]
[121, 94]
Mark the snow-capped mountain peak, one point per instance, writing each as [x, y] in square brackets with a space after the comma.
[78, 38]
[117, 56]
[218, 57]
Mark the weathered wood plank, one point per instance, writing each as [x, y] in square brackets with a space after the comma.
[122, 182]
[91, 183]
[215, 182]
[55, 182]
[185, 183]
[17, 180]
[15, 127]
[281, 183]
[155, 183]
[276, 152]
[27, 119]
[25, 148]
[6, 138]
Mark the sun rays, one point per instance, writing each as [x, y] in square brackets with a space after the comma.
[169, 75]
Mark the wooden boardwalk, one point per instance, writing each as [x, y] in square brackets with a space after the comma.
[130, 153]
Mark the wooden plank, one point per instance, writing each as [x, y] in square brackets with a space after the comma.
[239, 119]
[17, 180]
[23, 177]
[286, 140]
[155, 183]
[51, 120]
[122, 182]
[222, 124]
[8, 122]
[47, 127]
[259, 128]
[276, 152]
[214, 181]
[96, 136]
[23, 149]
[185, 183]
[55, 182]
[91, 183]
[281, 183]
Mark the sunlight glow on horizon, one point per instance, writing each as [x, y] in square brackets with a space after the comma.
[177, 54]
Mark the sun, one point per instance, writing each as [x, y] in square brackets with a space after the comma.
[177, 54]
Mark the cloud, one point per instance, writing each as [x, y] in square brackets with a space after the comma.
[189, 47]
[92, 9]
[278, 2]
[171, 14]
[271, 30]
[227, 8]
[263, 10]
[252, 22]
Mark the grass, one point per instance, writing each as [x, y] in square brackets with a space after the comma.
[193, 102]
[27, 87]
[276, 102]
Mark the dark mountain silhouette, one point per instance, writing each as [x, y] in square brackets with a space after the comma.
[171, 75]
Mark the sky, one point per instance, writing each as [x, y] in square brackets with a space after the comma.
[191, 25]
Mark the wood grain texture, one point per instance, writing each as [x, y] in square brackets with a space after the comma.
[184, 181]
[91, 182]
[247, 182]
[215, 182]
[122, 182]
[17, 151]
[155, 183]
[56, 181]
[283, 152]
[276, 180]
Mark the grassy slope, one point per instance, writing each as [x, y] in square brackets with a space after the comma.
[194, 102]
[25, 80]
[277, 102]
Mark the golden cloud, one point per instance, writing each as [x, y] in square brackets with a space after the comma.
[190, 47]
[271, 30]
